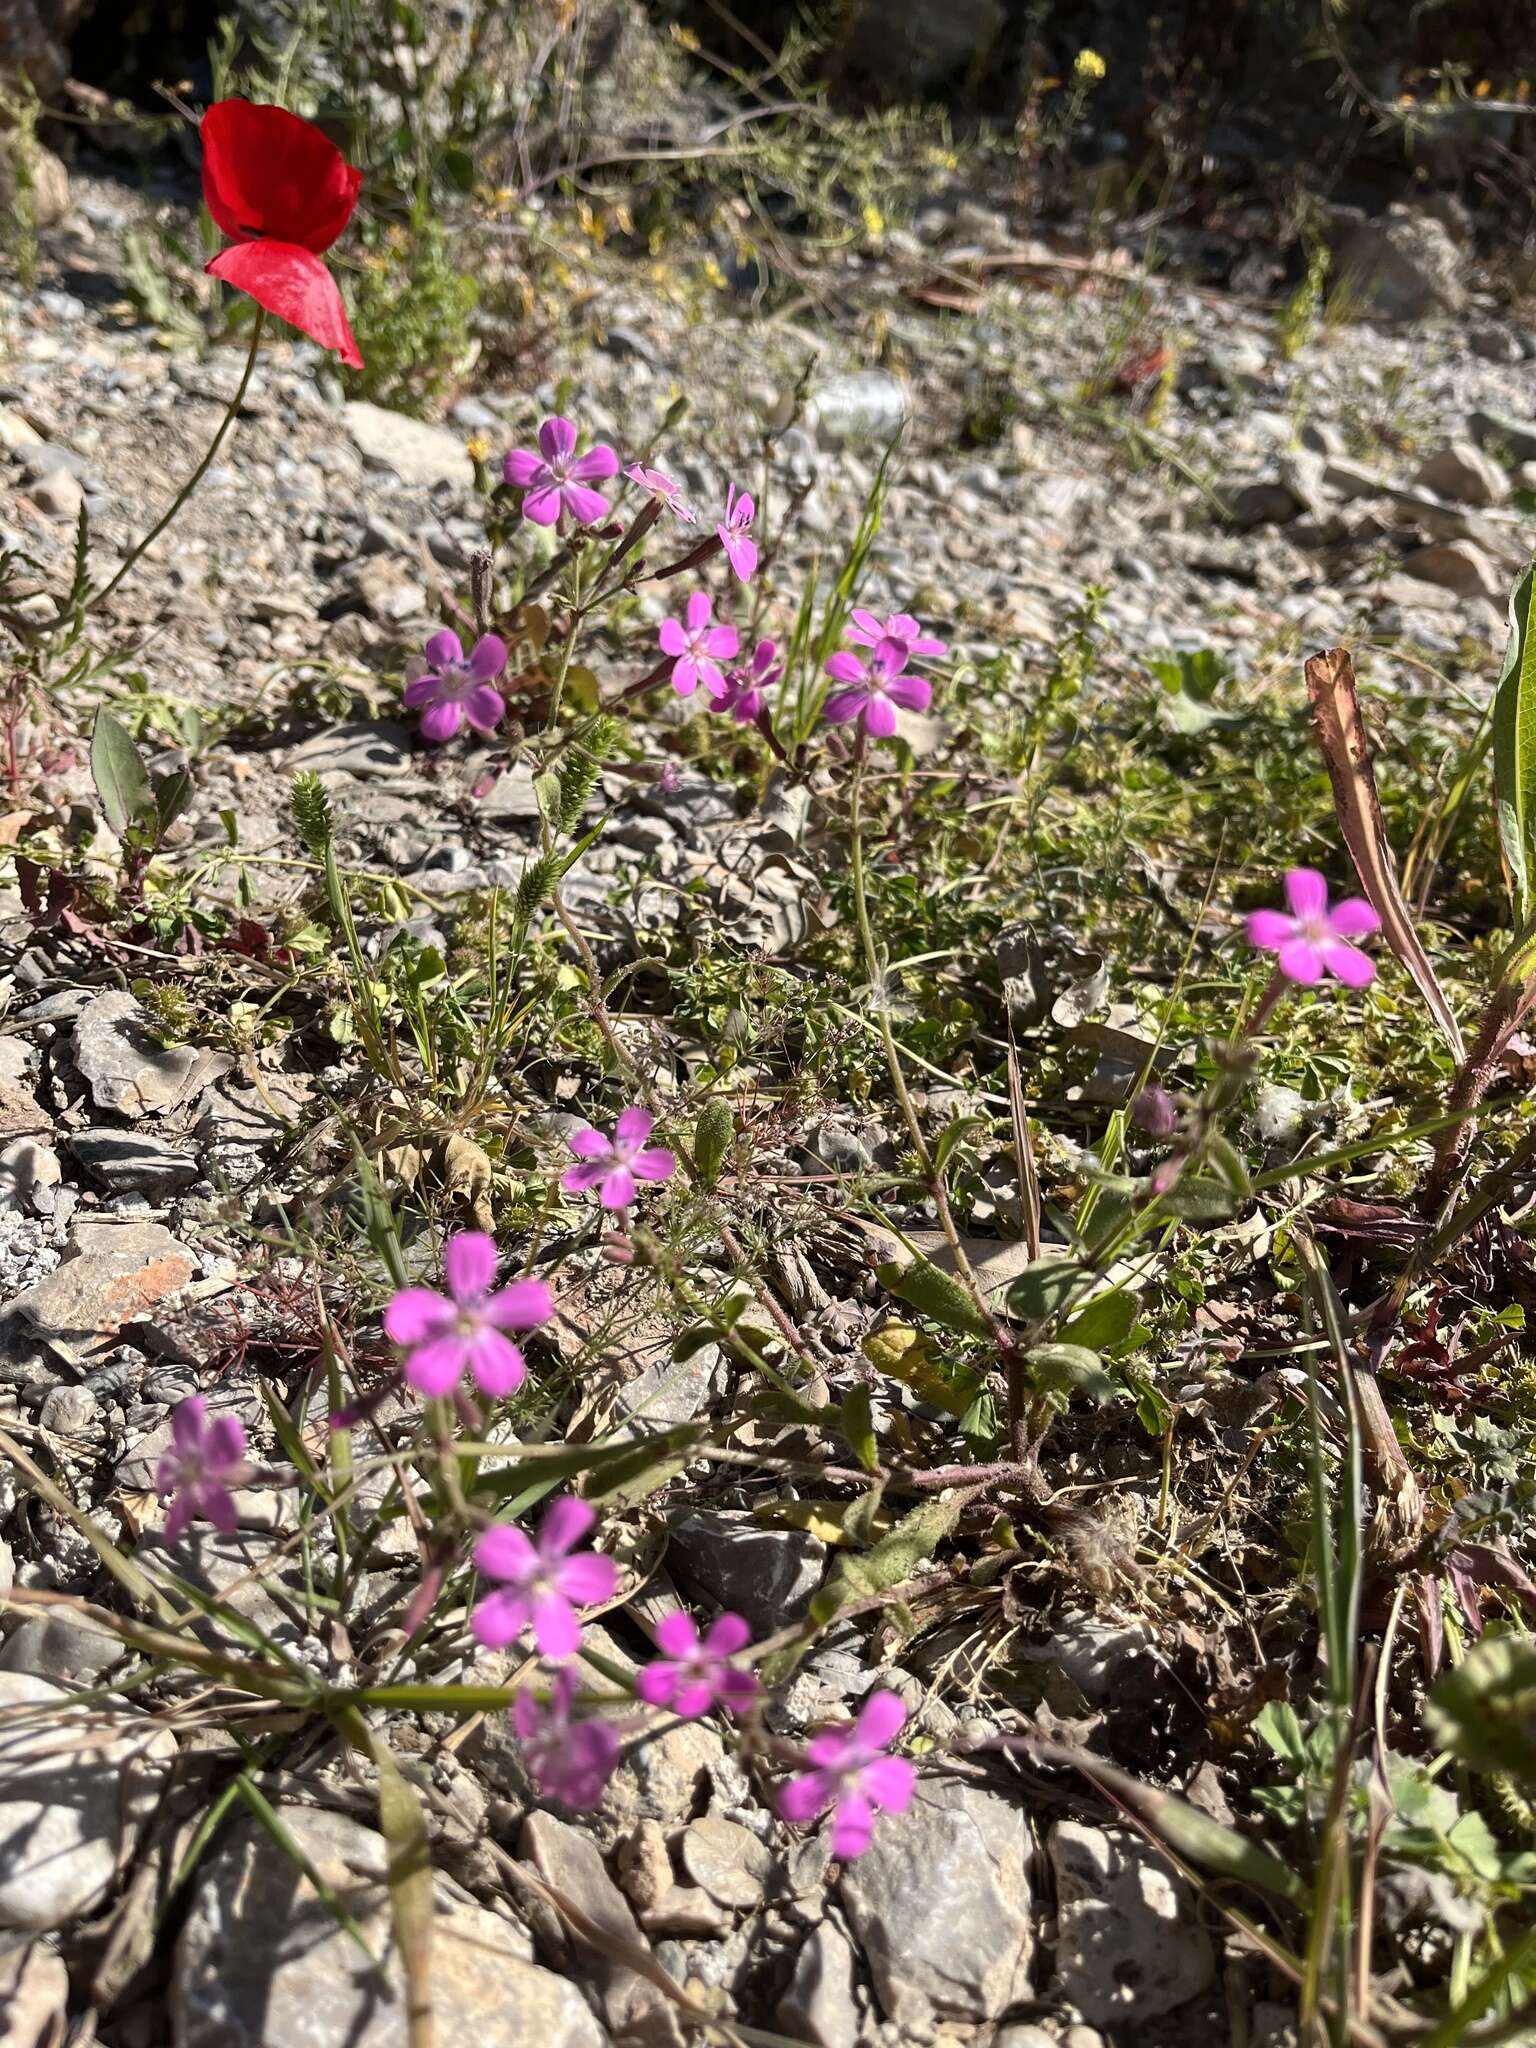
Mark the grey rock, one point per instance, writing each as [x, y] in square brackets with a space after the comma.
[1274, 2025]
[58, 495]
[366, 749]
[69, 1410]
[727, 1861]
[1457, 566]
[1129, 1940]
[59, 1645]
[76, 1784]
[1025, 2036]
[135, 1163]
[821, 2003]
[416, 452]
[940, 1904]
[1403, 266]
[1496, 344]
[764, 1574]
[111, 1273]
[29, 1172]
[127, 1070]
[869, 405]
[262, 1963]
[1461, 472]
[34, 1986]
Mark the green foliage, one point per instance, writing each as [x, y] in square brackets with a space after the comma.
[311, 806]
[1514, 746]
[412, 308]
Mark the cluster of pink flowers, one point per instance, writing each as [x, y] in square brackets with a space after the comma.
[872, 691]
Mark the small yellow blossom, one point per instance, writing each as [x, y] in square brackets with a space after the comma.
[478, 447]
[874, 222]
[685, 36]
[1090, 65]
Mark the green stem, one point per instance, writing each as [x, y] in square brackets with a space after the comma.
[192, 482]
[570, 645]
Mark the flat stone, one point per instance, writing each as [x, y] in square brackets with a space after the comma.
[1461, 472]
[76, 1784]
[1129, 1942]
[29, 1172]
[132, 1162]
[59, 1645]
[727, 1860]
[1401, 266]
[57, 495]
[869, 405]
[416, 452]
[1516, 438]
[373, 748]
[128, 1071]
[111, 1273]
[34, 1986]
[940, 1904]
[1455, 565]
[820, 2004]
[261, 1962]
[763, 1574]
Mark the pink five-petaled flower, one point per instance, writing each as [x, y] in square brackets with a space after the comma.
[465, 1330]
[868, 631]
[1313, 940]
[691, 1676]
[744, 687]
[555, 482]
[457, 686]
[569, 1761]
[613, 1165]
[543, 1581]
[740, 548]
[202, 1459]
[658, 485]
[849, 1773]
[698, 648]
[872, 692]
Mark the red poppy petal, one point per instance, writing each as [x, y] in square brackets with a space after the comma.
[294, 285]
[266, 172]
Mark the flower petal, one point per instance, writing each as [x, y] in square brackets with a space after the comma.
[866, 628]
[853, 1824]
[500, 1618]
[542, 505]
[469, 1265]
[415, 1314]
[521, 468]
[889, 1782]
[880, 718]
[654, 1163]
[495, 1364]
[437, 1367]
[697, 611]
[521, 1305]
[585, 506]
[913, 693]
[727, 1634]
[576, 1180]
[485, 708]
[617, 1189]
[598, 462]
[441, 721]
[880, 1720]
[694, 1698]
[1353, 918]
[678, 1635]
[1348, 964]
[803, 1797]
[634, 1125]
[566, 1522]
[1301, 962]
[1306, 892]
[657, 1684]
[587, 1578]
[1270, 929]
[295, 285]
[268, 172]
[673, 639]
[591, 1143]
[505, 1552]
[422, 691]
[224, 1444]
[488, 658]
[844, 667]
[557, 438]
[741, 553]
[556, 1629]
[443, 646]
[189, 1423]
[844, 705]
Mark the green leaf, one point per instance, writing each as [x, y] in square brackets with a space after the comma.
[1044, 1286]
[1484, 1712]
[1105, 1323]
[1196, 1199]
[120, 777]
[712, 1139]
[172, 795]
[1070, 1369]
[859, 1427]
[902, 1353]
[1514, 746]
[869, 1573]
[954, 1132]
[935, 1293]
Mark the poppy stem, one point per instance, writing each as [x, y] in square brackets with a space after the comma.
[96, 597]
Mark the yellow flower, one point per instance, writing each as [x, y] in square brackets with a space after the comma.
[478, 447]
[1089, 65]
[874, 222]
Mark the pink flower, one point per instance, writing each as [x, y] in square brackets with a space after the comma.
[698, 648]
[568, 1761]
[873, 692]
[740, 550]
[1311, 941]
[613, 1165]
[868, 631]
[465, 1330]
[454, 688]
[542, 1585]
[691, 1677]
[203, 1458]
[554, 482]
[849, 1774]
[744, 687]
[658, 485]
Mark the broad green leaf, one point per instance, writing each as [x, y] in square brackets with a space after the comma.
[1104, 1323]
[172, 795]
[1070, 1369]
[1484, 1712]
[1196, 1198]
[121, 779]
[872, 1572]
[712, 1139]
[901, 1353]
[1044, 1286]
[1514, 747]
[935, 1293]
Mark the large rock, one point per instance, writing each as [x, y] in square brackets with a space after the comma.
[34, 41]
[132, 1162]
[821, 2004]
[1456, 565]
[1129, 1942]
[261, 1962]
[940, 1904]
[111, 1274]
[416, 452]
[33, 1987]
[128, 1071]
[76, 1785]
[1404, 265]
[764, 1574]
[1461, 472]
[868, 406]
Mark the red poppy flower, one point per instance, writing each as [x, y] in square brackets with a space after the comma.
[282, 192]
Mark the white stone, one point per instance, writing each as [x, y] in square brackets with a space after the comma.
[1129, 1941]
